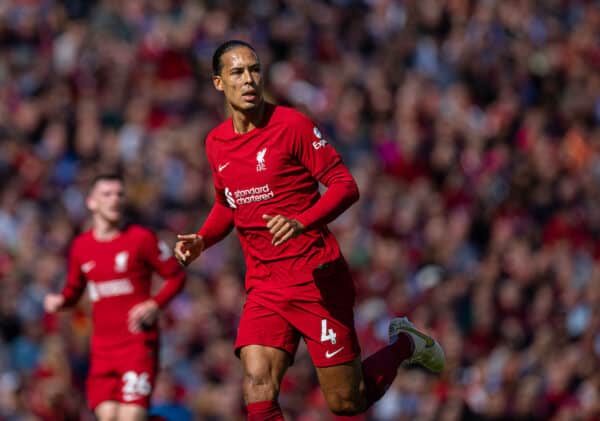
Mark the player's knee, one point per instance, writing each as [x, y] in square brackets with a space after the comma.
[107, 417]
[346, 403]
[107, 411]
[259, 387]
[132, 413]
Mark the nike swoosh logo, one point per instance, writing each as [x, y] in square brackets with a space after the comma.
[223, 166]
[428, 341]
[331, 354]
[86, 267]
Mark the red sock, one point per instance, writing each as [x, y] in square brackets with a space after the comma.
[379, 370]
[264, 411]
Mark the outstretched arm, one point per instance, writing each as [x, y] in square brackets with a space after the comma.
[218, 224]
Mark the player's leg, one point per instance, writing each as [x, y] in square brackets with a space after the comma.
[102, 387]
[324, 314]
[107, 411]
[265, 344]
[137, 366]
[263, 368]
[343, 388]
[333, 346]
[130, 412]
[351, 388]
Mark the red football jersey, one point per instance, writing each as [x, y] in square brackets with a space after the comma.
[118, 274]
[276, 169]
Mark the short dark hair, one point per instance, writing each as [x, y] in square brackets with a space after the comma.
[217, 64]
[106, 177]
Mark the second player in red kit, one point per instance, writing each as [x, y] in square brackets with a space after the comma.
[116, 262]
[267, 162]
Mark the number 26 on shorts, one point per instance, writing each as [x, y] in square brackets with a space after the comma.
[136, 384]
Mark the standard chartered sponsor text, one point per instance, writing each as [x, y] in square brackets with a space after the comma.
[253, 194]
[111, 288]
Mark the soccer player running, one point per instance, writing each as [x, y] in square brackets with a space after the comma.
[117, 262]
[267, 162]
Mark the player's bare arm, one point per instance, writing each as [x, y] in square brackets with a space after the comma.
[188, 247]
[283, 228]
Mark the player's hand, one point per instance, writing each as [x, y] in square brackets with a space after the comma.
[142, 315]
[53, 302]
[283, 228]
[188, 248]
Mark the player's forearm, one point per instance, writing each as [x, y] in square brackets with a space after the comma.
[341, 193]
[172, 286]
[218, 224]
[76, 282]
[71, 294]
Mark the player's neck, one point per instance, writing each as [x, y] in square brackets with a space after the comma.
[104, 230]
[245, 121]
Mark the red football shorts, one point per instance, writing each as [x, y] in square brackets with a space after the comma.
[124, 375]
[320, 311]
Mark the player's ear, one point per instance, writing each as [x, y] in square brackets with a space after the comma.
[90, 202]
[217, 82]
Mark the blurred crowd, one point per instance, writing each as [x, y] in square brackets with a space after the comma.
[472, 128]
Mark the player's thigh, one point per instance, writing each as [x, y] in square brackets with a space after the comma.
[138, 376]
[328, 331]
[261, 325]
[264, 368]
[102, 385]
[107, 411]
[343, 386]
[324, 315]
[264, 361]
[130, 412]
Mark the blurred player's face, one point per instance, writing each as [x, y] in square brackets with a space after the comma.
[240, 79]
[107, 200]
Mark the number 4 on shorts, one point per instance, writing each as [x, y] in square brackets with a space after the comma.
[327, 334]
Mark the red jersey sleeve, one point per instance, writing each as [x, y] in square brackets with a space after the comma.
[76, 282]
[219, 222]
[158, 256]
[325, 164]
[311, 149]
[217, 225]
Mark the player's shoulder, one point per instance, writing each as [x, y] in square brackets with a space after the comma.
[139, 231]
[291, 116]
[81, 240]
[221, 132]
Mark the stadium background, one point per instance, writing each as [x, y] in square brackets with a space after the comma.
[470, 126]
